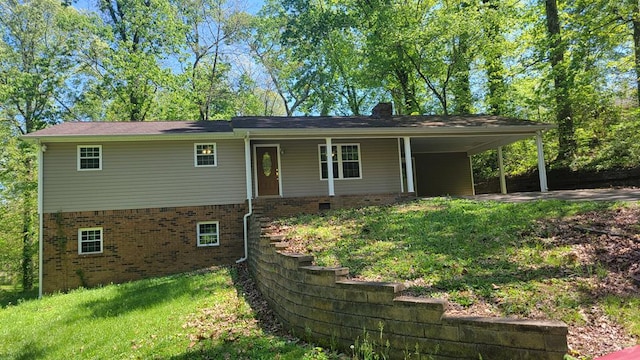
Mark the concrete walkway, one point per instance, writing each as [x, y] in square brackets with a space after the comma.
[609, 194]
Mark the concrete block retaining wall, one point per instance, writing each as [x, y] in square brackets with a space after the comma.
[323, 305]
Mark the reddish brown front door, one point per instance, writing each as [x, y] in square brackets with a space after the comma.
[267, 168]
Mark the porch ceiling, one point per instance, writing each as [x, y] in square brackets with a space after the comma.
[469, 144]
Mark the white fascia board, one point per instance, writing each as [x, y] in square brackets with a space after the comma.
[526, 131]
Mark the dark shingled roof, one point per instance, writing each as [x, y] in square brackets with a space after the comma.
[352, 122]
[134, 128]
[72, 129]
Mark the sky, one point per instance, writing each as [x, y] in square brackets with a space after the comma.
[251, 6]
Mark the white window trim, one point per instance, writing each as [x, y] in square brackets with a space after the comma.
[80, 240]
[217, 223]
[195, 154]
[339, 175]
[78, 157]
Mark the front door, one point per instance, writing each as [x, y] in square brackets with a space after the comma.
[267, 170]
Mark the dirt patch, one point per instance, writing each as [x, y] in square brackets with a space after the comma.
[609, 240]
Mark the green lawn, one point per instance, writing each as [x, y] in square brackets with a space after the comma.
[195, 316]
[497, 259]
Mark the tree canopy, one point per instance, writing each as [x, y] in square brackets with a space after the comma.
[572, 63]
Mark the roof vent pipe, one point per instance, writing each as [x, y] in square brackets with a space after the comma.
[382, 110]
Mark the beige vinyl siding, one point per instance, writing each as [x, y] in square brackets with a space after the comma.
[300, 172]
[443, 174]
[147, 174]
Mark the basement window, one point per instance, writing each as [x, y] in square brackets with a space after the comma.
[90, 241]
[208, 233]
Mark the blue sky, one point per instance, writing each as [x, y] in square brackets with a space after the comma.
[251, 6]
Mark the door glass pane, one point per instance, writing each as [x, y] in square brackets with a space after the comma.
[266, 164]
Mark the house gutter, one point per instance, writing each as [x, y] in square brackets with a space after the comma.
[321, 133]
[245, 219]
[41, 149]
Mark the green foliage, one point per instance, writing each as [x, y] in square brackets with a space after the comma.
[370, 347]
[128, 62]
[625, 311]
[18, 203]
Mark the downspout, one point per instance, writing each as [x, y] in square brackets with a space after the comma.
[245, 219]
[41, 150]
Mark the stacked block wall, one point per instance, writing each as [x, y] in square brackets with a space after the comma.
[323, 305]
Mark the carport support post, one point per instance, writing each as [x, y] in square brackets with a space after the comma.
[542, 171]
[503, 182]
[329, 154]
[409, 164]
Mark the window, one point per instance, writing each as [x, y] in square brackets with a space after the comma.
[90, 241]
[208, 233]
[205, 155]
[346, 161]
[90, 157]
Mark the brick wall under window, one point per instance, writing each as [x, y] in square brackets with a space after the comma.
[138, 243]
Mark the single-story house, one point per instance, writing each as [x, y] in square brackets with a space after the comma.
[120, 201]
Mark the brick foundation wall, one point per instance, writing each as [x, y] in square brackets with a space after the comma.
[322, 305]
[277, 207]
[137, 244]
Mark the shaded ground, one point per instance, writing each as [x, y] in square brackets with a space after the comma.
[608, 242]
[611, 240]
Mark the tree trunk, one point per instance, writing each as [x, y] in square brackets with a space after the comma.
[495, 68]
[635, 19]
[566, 139]
[409, 103]
[462, 86]
[27, 250]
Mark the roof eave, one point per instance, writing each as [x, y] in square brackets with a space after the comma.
[394, 131]
[128, 137]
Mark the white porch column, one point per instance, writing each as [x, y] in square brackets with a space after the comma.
[409, 164]
[541, 166]
[503, 182]
[329, 153]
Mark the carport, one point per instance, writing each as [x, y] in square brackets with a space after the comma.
[441, 151]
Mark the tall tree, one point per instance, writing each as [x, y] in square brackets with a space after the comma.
[143, 34]
[493, 49]
[324, 34]
[211, 24]
[386, 48]
[38, 41]
[291, 79]
[557, 48]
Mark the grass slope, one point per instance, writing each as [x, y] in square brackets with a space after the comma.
[489, 258]
[193, 316]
